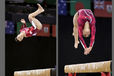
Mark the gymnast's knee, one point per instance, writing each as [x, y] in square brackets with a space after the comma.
[30, 17]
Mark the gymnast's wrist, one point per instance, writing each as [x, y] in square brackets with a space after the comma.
[90, 47]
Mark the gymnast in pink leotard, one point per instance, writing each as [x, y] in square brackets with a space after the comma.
[84, 25]
[34, 29]
[29, 31]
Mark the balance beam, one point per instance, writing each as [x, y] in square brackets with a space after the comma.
[94, 67]
[37, 72]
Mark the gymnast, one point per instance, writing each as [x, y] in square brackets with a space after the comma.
[84, 25]
[34, 29]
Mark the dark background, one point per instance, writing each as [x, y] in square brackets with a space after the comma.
[102, 49]
[31, 53]
[34, 52]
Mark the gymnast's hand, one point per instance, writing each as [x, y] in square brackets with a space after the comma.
[87, 50]
[19, 38]
[76, 44]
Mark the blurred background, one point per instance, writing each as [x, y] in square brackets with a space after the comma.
[102, 48]
[36, 52]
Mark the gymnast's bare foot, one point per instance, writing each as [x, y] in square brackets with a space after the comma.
[40, 7]
[73, 34]
[76, 44]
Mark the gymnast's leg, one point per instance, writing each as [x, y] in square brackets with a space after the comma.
[35, 22]
[75, 30]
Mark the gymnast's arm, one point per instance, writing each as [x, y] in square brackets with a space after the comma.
[75, 29]
[81, 37]
[92, 39]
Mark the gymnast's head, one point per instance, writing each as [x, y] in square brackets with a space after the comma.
[23, 21]
[86, 30]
